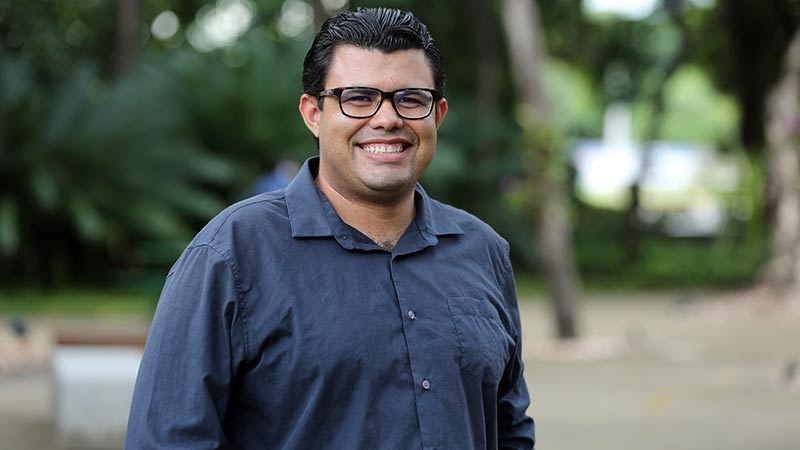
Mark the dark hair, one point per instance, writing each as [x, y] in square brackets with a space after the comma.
[384, 29]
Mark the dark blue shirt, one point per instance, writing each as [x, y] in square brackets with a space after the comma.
[281, 327]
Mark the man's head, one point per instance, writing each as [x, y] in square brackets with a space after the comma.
[382, 29]
[381, 77]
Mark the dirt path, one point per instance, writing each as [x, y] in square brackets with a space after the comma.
[667, 373]
[654, 372]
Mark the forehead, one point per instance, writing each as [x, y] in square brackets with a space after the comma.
[355, 66]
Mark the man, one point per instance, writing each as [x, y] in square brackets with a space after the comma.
[350, 310]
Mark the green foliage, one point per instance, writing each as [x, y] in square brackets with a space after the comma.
[623, 58]
[741, 45]
[667, 262]
[575, 103]
[98, 164]
[694, 111]
[54, 36]
[247, 111]
[99, 174]
[726, 261]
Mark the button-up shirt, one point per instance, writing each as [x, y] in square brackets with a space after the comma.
[281, 327]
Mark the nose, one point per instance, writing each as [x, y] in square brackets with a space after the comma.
[386, 117]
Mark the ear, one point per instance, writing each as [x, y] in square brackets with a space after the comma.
[439, 111]
[309, 109]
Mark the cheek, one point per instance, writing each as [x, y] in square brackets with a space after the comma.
[428, 147]
[427, 137]
[337, 132]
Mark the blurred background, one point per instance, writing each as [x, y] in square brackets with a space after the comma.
[641, 157]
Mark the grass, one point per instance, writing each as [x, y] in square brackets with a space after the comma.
[74, 301]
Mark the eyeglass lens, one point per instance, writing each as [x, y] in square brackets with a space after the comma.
[409, 103]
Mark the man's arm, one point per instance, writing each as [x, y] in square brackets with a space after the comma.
[183, 388]
[514, 428]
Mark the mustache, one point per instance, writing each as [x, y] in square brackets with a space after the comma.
[405, 136]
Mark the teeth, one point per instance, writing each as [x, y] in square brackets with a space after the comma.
[381, 148]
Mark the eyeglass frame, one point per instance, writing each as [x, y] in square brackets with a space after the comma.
[337, 92]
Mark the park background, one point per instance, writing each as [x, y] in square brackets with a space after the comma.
[639, 156]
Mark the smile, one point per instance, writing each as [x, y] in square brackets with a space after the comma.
[383, 148]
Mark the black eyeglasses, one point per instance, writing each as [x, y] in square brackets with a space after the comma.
[361, 102]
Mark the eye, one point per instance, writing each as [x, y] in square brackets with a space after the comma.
[410, 101]
[413, 99]
[358, 97]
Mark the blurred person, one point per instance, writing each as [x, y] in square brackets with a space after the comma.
[277, 178]
[349, 310]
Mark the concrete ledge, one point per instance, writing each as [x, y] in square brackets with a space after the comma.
[92, 388]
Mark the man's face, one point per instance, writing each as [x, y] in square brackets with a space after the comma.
[380, 158]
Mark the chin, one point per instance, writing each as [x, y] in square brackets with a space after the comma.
[397, 186]
[389, 182]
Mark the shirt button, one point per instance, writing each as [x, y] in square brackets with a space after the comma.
[426, 384]
[412, 315]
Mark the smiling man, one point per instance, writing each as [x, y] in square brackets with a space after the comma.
[350, 310]
[371, 157]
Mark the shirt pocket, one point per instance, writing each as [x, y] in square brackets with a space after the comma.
[484, 344]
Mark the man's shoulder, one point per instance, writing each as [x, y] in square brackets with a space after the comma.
[242, 219]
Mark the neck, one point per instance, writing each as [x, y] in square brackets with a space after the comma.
[384, 223]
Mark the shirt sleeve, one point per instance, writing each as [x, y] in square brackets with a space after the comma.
[192, 353]
[515, 428]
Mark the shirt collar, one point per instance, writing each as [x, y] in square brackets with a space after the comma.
[311, 215]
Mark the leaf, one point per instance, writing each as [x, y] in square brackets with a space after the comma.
[9, 227]
[155, 219]
[44, 188]
[193, 201]
[86, 217]
[67, 109]
[14, 82]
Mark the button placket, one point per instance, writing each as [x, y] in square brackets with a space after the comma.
[416, 333]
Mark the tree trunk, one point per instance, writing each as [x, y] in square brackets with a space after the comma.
[783, 175]
[632, 230]
[545, 149]
[320, 14]
[485, 44]
[127, 35]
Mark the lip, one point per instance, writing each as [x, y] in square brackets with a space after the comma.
[394, 141]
